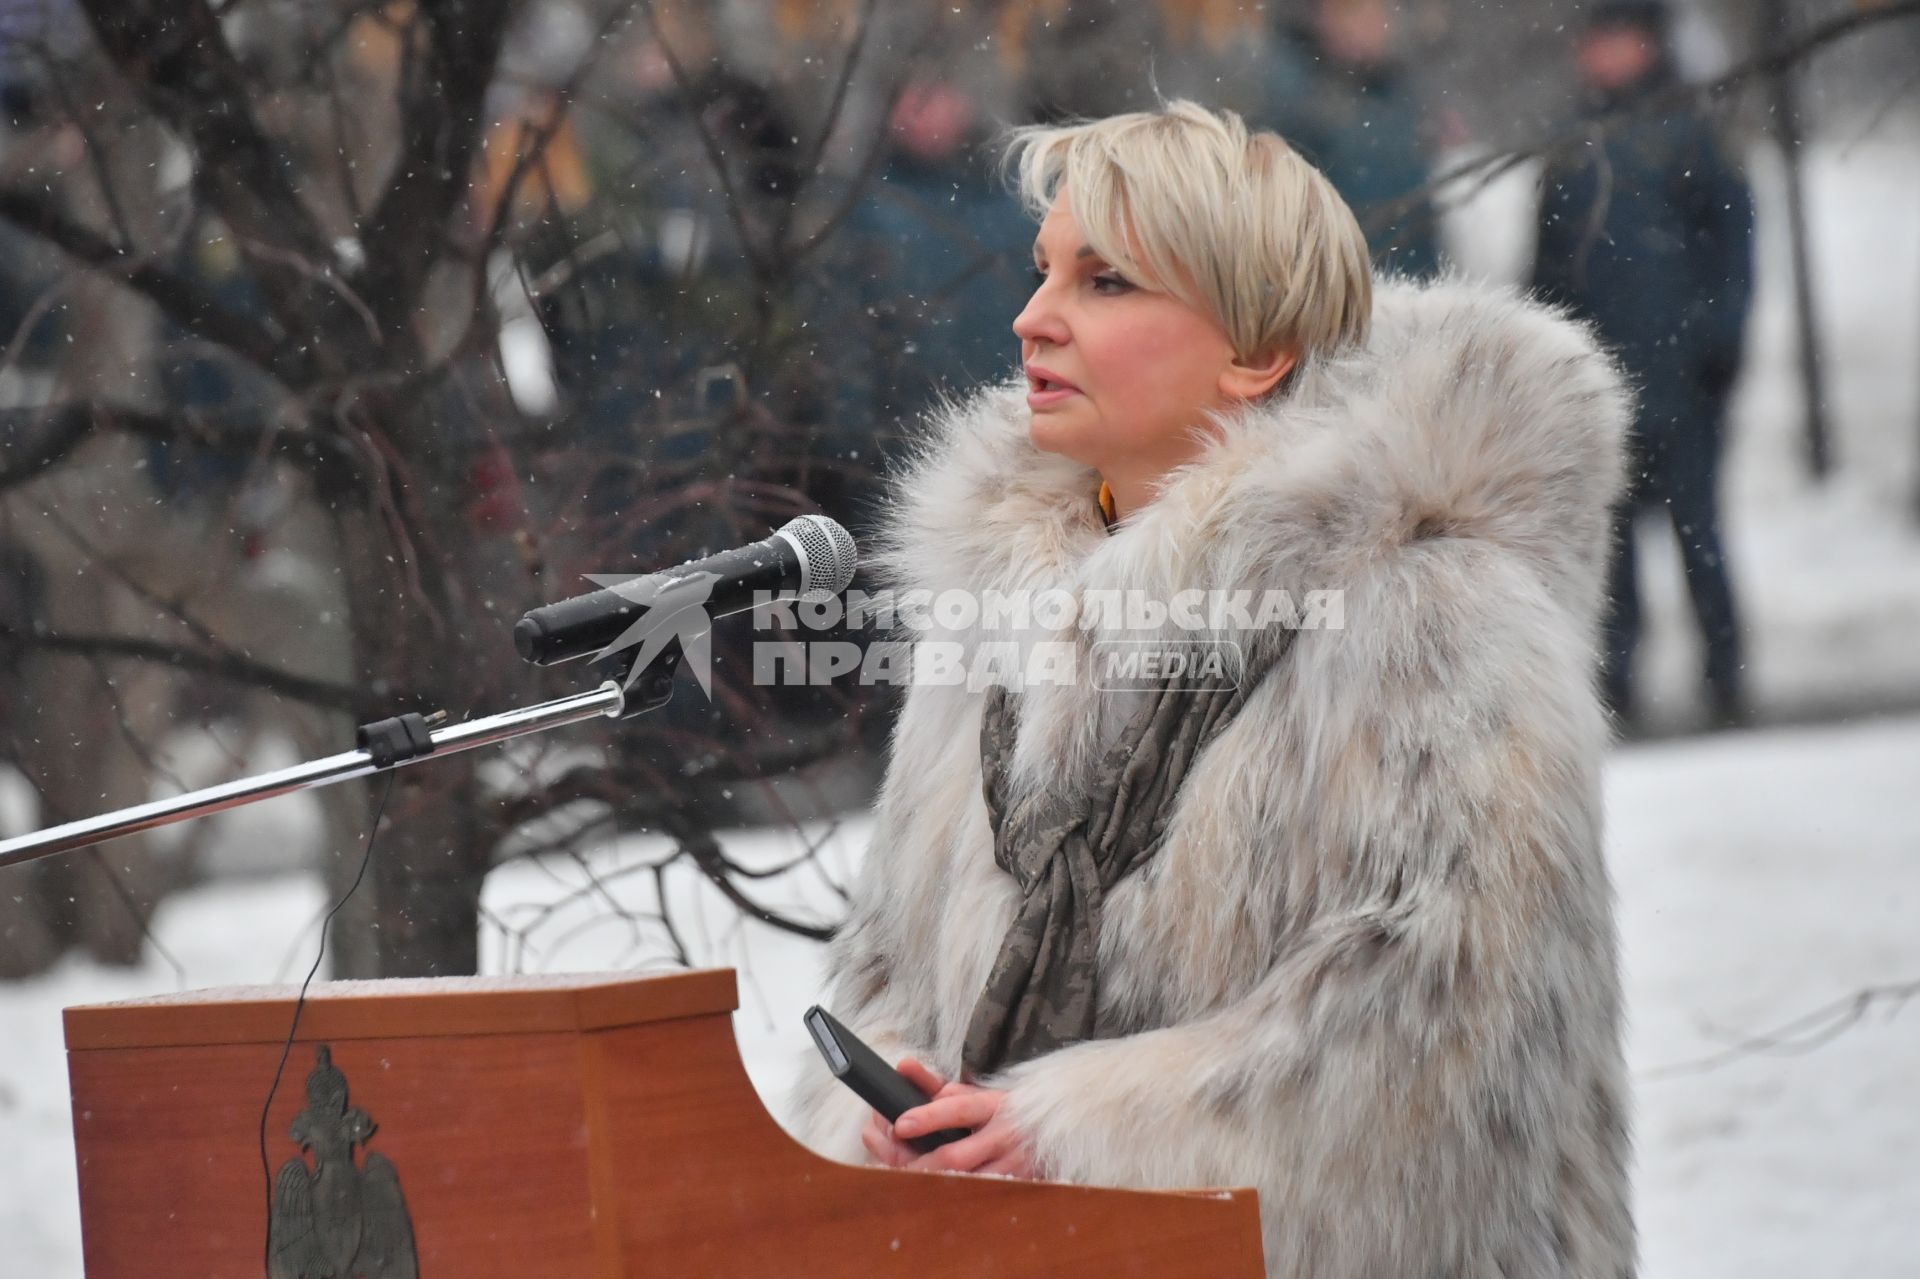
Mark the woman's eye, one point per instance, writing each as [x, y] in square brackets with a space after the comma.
[1106, 283]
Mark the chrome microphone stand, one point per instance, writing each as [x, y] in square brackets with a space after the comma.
[382, 745]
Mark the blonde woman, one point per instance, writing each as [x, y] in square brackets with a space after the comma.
[1335, 925]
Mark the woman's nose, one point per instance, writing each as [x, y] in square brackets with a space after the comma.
[1039, 320]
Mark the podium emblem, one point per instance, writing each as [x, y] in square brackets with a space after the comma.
[336, 1220]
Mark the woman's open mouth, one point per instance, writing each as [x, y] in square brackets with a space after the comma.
[1044, 390]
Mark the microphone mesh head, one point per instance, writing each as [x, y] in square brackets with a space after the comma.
[830, 554]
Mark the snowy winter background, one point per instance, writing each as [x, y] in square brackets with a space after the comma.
[1762, 876]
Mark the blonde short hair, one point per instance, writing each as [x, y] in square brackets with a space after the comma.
[1232, 222]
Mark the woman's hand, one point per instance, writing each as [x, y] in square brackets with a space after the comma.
[994, 1146]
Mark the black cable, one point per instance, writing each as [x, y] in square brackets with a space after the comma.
[299, 1004]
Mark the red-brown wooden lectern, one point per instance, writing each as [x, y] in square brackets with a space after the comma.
[585, 1125]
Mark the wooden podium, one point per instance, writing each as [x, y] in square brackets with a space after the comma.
[575, 1126]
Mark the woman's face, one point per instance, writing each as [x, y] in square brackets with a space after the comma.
[1140, 367]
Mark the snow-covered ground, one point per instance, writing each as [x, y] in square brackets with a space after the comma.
[1761, 877]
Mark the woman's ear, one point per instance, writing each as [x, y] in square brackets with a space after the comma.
[1252, 377]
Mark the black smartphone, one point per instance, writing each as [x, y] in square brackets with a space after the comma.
[878, 1084]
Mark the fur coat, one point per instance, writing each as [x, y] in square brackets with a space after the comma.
[1371, 969]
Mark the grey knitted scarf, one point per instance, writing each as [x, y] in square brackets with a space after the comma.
[1067, 851]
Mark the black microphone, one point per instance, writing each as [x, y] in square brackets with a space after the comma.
[812, 557]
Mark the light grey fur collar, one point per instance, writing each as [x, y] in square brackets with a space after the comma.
[1472, 412]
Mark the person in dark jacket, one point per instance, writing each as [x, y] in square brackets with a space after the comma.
[1647, 231]
[939, 244]
[1337, 93]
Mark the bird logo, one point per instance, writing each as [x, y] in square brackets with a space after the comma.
[672, 606]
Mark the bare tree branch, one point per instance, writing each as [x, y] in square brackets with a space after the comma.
[366, 410]
[704, 847]
[581, 783]
[176, 56]
[750, 249]
[62, 435]
[61, 81]
[444, 112]
[870, 163]
[228, 665]
[62, 429]
[1801, 1035]
[810, 163]
[182, 301]
[531, 158]
[173, 607]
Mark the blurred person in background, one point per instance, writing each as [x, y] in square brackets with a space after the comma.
[1647, 231]
[1338, 92]
[641, 284]
[934, 246]
[203, 380]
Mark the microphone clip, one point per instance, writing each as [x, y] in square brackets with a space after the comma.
[649, 689]
[401, 738]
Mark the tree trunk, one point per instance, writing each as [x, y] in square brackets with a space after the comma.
[1784, 113]
[353, 951]
[409, 637]
[427, 872]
